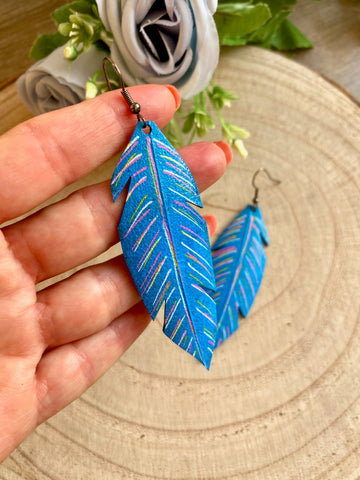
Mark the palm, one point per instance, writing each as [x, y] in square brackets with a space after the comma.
[55, 343]
[20, 348]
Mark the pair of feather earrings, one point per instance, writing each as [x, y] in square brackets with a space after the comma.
[239, 261]
[166, 246]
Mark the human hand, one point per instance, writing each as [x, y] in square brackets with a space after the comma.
[57, 342]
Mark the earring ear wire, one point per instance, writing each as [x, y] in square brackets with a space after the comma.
[239, 261]
[135, 107]
[256, 194]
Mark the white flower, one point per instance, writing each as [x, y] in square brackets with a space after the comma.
[163, 41]
[54, 82]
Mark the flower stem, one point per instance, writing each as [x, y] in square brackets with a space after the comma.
[177, 130]
[190, 140]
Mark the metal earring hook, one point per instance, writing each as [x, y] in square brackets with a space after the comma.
[134, 106]
[256, 194]
[117, 70]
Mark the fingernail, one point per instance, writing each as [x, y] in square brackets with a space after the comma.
[212, 224]
[175, 94]
[225, 147]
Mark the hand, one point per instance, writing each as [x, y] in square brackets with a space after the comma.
[55, 343]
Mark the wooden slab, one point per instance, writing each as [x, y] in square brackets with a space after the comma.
[334, 29]
[281, 400]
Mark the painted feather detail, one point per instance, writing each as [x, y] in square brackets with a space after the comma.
[239, 262]
[165, 241]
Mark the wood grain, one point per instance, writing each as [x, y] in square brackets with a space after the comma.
[281, 401]
[334, 28]
[282, 398]
[21, 22]
[12, 111]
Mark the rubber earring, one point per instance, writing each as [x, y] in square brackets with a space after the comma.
[165, 241]
[239, 261]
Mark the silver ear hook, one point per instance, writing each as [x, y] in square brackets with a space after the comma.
[256, 194]
[134, 106]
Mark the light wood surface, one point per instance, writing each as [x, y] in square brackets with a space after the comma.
[282, 398]
[334, 28]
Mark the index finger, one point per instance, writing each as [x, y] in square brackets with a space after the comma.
[39, 157]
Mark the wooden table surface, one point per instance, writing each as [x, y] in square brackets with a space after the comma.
[282, 398]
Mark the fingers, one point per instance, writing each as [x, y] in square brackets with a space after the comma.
[84, 225]
[207, 161]
[66, 234]
[67, 371]
[212, 224]
[86, 302]
[41, 156]
[17, 301]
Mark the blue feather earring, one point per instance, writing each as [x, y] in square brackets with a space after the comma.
[165, 241]
[239, 261]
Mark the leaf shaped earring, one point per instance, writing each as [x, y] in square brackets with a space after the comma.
[165, 241]
[239, 261]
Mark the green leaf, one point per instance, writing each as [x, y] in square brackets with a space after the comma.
[289, 37]
[234, 42]
[276, 5]
[173, 132]
[62, 13]
[264, 34]
[220, 97]
[238, 131]
[188, 124]
[45, 44]
[233, 7]
[224, 3]
[276, 32]
[226, 94]
[201, 131]
[234, 21]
